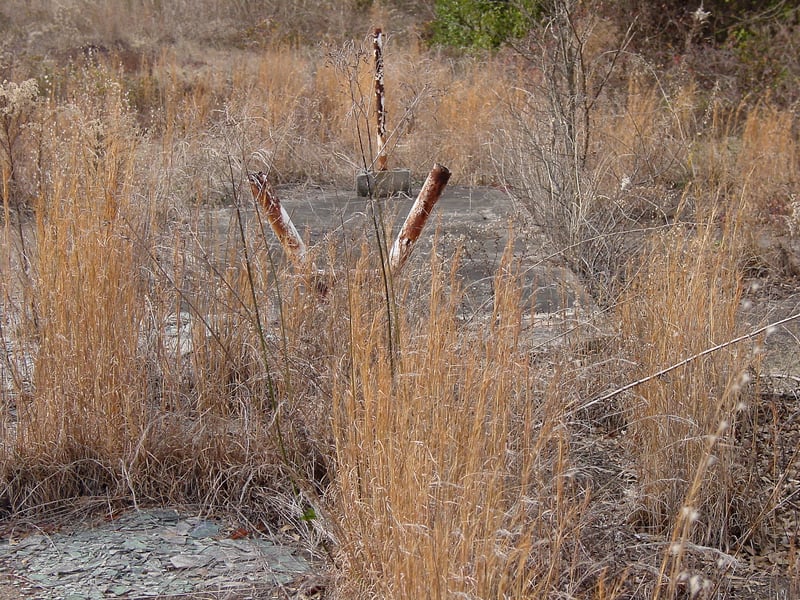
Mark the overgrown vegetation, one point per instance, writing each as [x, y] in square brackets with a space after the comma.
[158, 351]
[483, 24]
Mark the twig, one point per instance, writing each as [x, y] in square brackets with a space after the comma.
[683, 362]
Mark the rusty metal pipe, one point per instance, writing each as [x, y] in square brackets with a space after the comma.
[277, 216]
[380, 100]
[418, 215]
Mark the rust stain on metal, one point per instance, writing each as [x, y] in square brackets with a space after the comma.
[380, 99]
[277, 216]
[418, 216]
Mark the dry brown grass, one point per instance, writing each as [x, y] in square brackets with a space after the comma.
[85, 303]
[452, 470]
[114, 407]
[438, 455]
[682, 299]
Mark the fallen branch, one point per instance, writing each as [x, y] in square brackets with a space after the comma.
[418, 215]
[683, 362]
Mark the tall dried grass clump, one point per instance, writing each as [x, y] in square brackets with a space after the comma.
[152, 381]
[768, 168]
[682, 298]
[451, 477]
[750, 148]
[309, 114]
[749, 151]
[242, 24]
[81, 301]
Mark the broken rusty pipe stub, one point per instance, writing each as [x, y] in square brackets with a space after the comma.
[381, 182]
[418, 215]
[278, 218]
[281, 224]
[380, 100]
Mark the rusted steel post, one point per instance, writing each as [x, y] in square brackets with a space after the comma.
[277, 216]
[418, 215]
[380, 100]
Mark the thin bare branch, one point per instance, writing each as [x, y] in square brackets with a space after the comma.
[682, 363]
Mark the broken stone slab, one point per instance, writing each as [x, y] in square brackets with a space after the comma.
[107, 560]
[382, 184]
[205, 529]
[189, 561]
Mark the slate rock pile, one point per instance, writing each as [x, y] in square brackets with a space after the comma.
[151, 553]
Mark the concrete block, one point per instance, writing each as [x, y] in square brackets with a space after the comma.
[384, 183]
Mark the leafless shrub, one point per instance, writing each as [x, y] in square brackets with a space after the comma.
[588, 149]
[18, 102]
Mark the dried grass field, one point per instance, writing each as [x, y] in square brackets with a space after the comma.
[422, 442]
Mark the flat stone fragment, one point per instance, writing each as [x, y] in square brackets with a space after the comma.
[146, 554]
[205, 529]
[121, 590]
[189, 561]
[134, 544]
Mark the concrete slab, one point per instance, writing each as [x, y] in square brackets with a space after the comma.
[382, 184]
[476, 222]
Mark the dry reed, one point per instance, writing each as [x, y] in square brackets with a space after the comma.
[452, 474]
